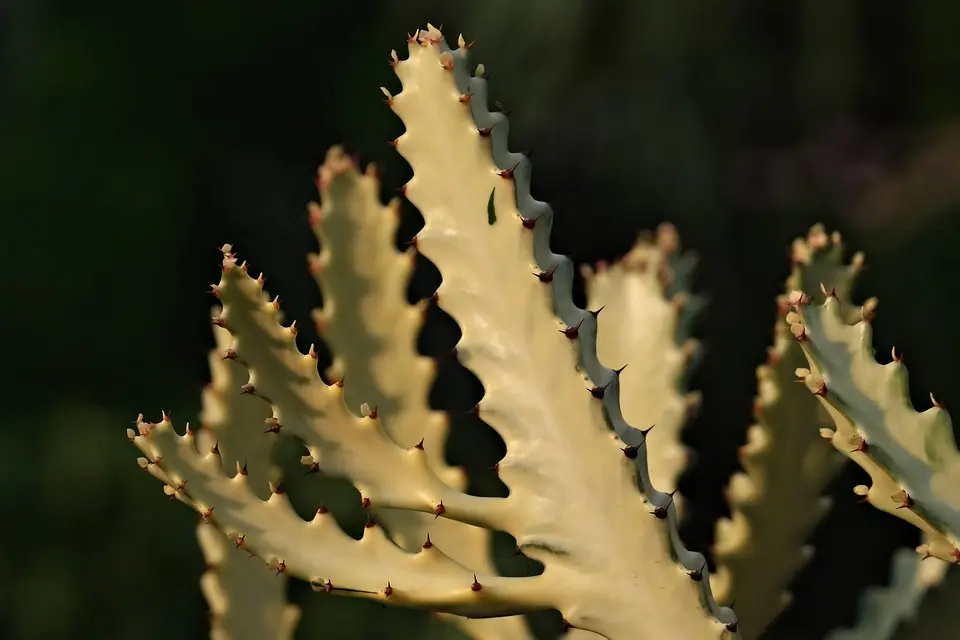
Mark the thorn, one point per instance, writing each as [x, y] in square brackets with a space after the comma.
[528, 223]
[617, 372]
[281, 567]
[902, 499]
[322, 510]
[476, 586]
[661, 511]
[896, 358]
[485, 131]
[546, 277]
[596, 313]
[428, 544]
[370, 523]
[364, 502]
[229, 354]
[439, 510]
[273, 425]
[215, 291]
[277, 489]
[247, 388]
[419, 445]
[465, 98]
[239, 540]
[387, 591]
[507, 174]
[312, 467]
[697, 574]
[572, 332]
[859, 444]
[936, 403]
[206, 514]
[632, 451]
[597, 392]
[218, 321]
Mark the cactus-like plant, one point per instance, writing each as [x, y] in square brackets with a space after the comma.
[592, 497]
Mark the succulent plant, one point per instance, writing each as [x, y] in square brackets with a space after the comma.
[593, 447]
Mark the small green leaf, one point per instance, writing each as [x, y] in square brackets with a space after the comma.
[491, 211]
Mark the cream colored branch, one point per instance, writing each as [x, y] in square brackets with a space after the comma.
[608, 565]
[372, 331]
[246, 600]
[911, 456]
[777, 500]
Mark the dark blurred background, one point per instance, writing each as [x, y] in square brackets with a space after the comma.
[136, 139]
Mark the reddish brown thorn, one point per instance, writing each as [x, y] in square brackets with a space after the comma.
[364, 502]
[546, 277]
[496, 469]
[474, 410]
[370, 523]
[322, 510]
[859, 444]
[439, 510]
[419, 445]
[206, 514]
[902, 499]
[247, 388]
[215, 291]
[465, 98]
[281, 567]
[567, 625]
[476, 586]
[239, 541]
[388, 591]
[632, 451]
[596, 313]
[218, 321]
[528, 223]
[597, 392]
[277, 489]
[273, 425]
[411, 39]
[339, 383]
[393, 143]
[661, 511]
[428, 544]
[485, 131]
[313, 467]
[936, 403]
[229, 354]
[507, 174]
[327, 586]
[572, 332]
[955, 554]
[697, 574]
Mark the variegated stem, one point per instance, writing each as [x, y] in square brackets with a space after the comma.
[639, 325]
[777, 500]
[911, 456]
[372, 331]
